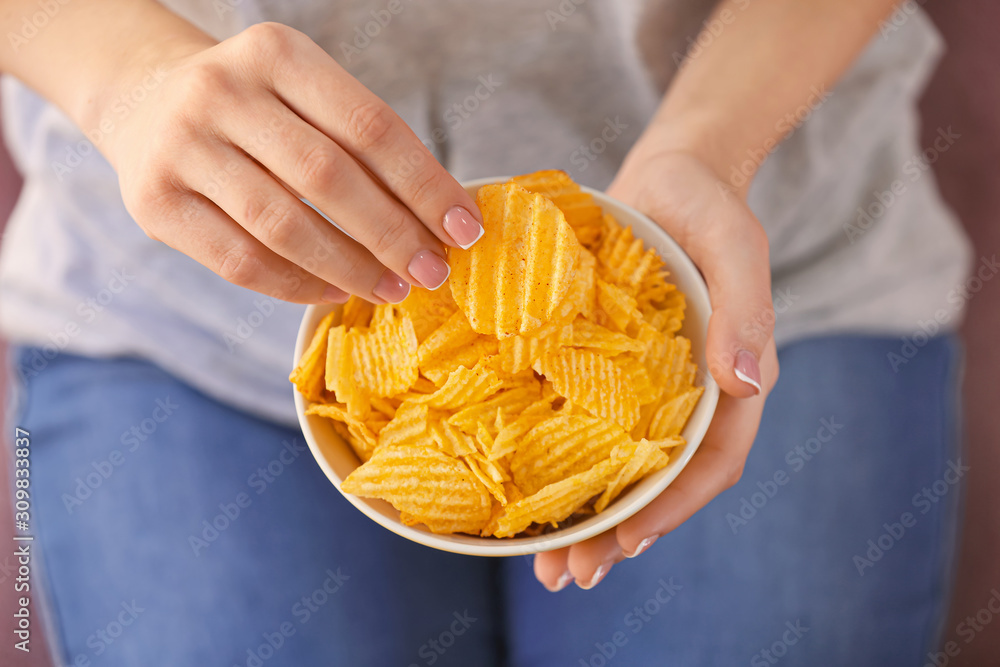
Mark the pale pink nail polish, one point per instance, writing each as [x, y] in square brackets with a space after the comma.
[747, 369]
[463, 227]
[391, 288]
[429, 269]
[564, 580]
[596, 579]
[645, 544]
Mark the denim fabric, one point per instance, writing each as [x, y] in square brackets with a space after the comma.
[176, 530]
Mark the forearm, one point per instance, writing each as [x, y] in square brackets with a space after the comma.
[762, 60]
[80, 54]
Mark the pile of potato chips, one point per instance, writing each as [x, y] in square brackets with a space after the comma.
[533, 389]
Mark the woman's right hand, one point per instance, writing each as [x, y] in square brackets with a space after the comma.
[214, 160]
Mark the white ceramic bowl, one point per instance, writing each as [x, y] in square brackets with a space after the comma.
[337, 459]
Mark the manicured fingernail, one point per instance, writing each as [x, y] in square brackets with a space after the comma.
[463, 227]
[596, 579]
[565, 580]
[335, 295]
[747, 370]
[429, 269]
[391, 288]
[645, 544]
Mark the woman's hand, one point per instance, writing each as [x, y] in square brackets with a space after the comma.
[214, 160]
[714, 226]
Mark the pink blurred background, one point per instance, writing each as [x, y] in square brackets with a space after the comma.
[964, 94]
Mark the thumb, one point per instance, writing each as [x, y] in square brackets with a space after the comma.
[732, 253]
[726, 241]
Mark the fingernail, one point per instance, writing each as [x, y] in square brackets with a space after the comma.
[391, 288]
[747, 370]
[645, 544]
[463, 227]
[596, 579]
[429, 269]
[563, 582]
[334, 295]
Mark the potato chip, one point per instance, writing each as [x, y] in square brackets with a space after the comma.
[357, 313]
[511, 433]
[579, 208]
[428, 309]
[644, 457]
[562, 446]
[582, 296]
[430, 487]
[594, 382]
[511, 281]
[558, 500]
[340, 373]
[518, 353]
[408, 427]
[384, 358]
[592, 336]
[504, 403]
[671, 416]
[308, 375]
[464, 386]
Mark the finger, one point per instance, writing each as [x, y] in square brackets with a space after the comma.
[716, 466]
[272, 215]
[551, 569]
[591, 560]
[209, 236]
[317, 168]
[729, 246]
[321, 92]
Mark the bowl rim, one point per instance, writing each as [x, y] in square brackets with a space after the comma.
[599, 523]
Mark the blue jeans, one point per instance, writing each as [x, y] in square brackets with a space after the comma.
[176, 530]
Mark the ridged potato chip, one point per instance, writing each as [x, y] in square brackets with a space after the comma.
[428, 309]
[562, 446]
[430, 487]
[582, 213]
[594, 382]
[308, 375]
[558, 500]
[513, 279]
[644, 457]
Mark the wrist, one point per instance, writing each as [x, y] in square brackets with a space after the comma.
[710, 140]
[123, 78]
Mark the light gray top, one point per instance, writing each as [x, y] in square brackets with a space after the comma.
[495, 88]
